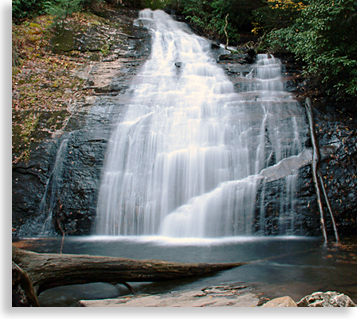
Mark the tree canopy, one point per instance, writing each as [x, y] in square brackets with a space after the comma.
[321, 33]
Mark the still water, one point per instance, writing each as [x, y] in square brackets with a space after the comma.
[294, 266]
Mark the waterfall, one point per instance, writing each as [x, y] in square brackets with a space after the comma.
[187, 157]
[52, 187]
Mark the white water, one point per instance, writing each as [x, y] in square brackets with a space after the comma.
[185, 161]
[52, 186]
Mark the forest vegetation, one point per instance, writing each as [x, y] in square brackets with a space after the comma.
[321, 33]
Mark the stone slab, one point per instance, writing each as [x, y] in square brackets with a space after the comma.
[222, 296]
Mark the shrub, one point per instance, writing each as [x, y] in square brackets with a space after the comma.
[60, 9]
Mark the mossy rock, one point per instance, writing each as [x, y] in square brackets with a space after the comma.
[89, 40]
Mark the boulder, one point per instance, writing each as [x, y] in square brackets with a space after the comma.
[215, 44]
[280, 302]
[326, 299]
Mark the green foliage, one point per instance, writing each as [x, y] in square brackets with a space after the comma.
[31, 8]
[26, 8]
[276, 14]
[60, 9]
[324, 37]
[209, 16]
[154, 4]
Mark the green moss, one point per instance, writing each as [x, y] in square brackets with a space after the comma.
[43, 82]
[105, 49]
[63, 41]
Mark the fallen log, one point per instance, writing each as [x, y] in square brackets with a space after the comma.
[52, 270]
[23, 292]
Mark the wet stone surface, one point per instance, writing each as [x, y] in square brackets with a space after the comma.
[55, 191]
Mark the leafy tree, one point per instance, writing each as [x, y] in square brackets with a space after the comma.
[209, 16]
[324, 37]
[276, 14]
[26, 8]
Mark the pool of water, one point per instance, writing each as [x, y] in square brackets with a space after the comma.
[294, 266]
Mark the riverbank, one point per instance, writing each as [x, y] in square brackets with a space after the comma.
[222, 296]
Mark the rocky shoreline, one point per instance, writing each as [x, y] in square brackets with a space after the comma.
[221, 296]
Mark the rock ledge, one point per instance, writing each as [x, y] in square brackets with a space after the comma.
[220, 296]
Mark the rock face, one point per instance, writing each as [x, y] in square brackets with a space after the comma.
[56, 190]
[336, 131]
[326, 299]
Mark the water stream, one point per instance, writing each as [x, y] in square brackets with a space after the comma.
[186, 158]
[52, 186]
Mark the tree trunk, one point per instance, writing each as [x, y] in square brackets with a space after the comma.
[53, 270]
[317, 176]
[315, 165]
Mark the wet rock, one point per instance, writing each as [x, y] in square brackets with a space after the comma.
[45, 198]
[281, 302]
[88, 40]
[250, 57]
[336, 130]
[237, 58]
[326, 299]
[215, 44]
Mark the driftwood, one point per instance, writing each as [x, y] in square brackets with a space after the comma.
[23, 292]
[317, 176]
[53, 270]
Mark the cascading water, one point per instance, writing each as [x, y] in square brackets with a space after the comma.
[188, 156]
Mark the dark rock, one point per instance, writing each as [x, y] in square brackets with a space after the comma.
[336, 131]
[178, 64]
[251, 55]
[215, 44]
[237, 58]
